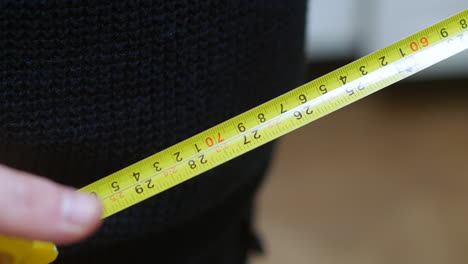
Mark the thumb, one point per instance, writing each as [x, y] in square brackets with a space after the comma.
[37, 208]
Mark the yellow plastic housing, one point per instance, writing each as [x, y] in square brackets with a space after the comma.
[20, 251]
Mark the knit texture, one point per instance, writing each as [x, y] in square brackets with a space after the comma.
[89, 87]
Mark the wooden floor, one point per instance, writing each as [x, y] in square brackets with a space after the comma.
[382, 181]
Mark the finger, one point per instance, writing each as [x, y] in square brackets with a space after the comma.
[36, 208]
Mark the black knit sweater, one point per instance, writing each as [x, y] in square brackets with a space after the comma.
[89, 87]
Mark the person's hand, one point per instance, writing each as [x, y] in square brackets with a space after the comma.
[36, 208]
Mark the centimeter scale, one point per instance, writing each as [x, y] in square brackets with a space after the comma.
[260, 125]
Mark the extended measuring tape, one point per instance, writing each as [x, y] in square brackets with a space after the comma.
[279, 116]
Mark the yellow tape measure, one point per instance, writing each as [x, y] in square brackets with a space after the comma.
[281, 115]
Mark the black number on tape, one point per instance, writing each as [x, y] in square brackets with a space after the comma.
[156, 166]
[177, 156]
[149, 184]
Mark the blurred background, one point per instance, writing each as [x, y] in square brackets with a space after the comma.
[384, 180]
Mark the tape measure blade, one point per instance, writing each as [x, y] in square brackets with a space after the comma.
[281, 115]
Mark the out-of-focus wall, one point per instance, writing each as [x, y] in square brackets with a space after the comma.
[338, 29]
